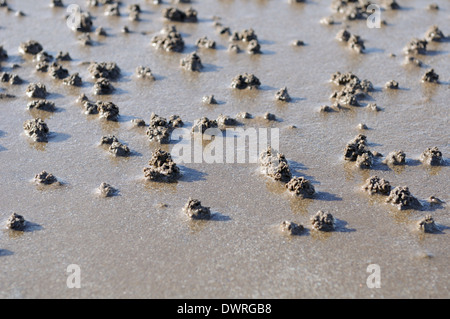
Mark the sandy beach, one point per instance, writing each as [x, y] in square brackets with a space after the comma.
[139, 243]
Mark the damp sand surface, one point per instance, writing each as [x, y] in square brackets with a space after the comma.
[140, 244]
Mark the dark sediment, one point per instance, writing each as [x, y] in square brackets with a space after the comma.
[169, 40]
[221, 29]
[160, 128]
[298, 43]
[103, 86]
[353, 41]
[112, 10]
[358, 152]
[63, 56]
[432, 156]
[43, 56]
[282, 95]
[364, 160]
[42, 105]
[416, 46]
[327, 21]
[254, 47]
[209, 99]
[244, 115]
[225, 120]
[205, 43]
[144, 73]
[73, 80]
[31, 47]
[390, 4]
[108, 140]
[373, 107]
[291, 228]
[134, 16]
[45, 178]
[245, 35]
[275, 165]
[249, 36]
[433, 6]
[245, 81]
[393, 85]
[15, 222]
[90, 107]
[85, 39]
[427, 225]
[109, 70]
[345, 97]
[326, 109]
[434, 34]
[3, 53]
[82, 98]
[362, 126]
[36, 90]
[430, 76]
[12, 79]
[352, 88]
[162, 168]
[323, 221]
[108, 110]
[350, 9]
[435, 201]
[42, 66]
[269, 116]
[174, 14]
[56, 71]
[134, 12]
[413, 60]
[300, 187]
[352, 83]
[6, 96]
[195, 210]
[138, 122]
[402, 199]
[100, 31]
[106, 190]
[175, 121]
[85, 22]
[37, 129]
[234, 48]
[119, 149]
[202, 124]
[192, 62]
[376, 185]
[356, 148]
[395, 158]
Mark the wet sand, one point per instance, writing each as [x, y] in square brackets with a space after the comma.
[129, 246]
